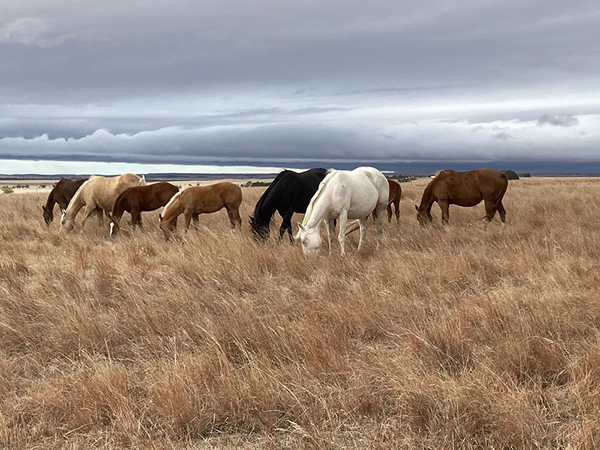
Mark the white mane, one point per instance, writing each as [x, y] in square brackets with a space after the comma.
[320, 189]
[172, 199]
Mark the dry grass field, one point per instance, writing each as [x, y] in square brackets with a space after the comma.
[457, 337]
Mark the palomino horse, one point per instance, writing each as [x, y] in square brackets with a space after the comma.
[289, 193]
[344, 195]
[98, 194]
[196, 200]
[394, 199]
[140, 198]
[464, 189]
[62, 194]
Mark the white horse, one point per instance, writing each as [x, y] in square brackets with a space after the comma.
[343, 195]
[97, 194]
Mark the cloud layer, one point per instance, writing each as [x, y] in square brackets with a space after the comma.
[265, 81]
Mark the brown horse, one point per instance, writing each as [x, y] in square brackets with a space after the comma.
[97, 194]
[197, 200]
[140, 198]
[393, 199]
[62, 194]
[464, 189]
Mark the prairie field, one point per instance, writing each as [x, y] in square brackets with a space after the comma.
[461, 336]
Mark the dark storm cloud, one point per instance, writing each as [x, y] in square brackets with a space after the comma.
[188, 81]
[558, 121]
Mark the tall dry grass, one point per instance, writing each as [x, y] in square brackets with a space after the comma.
[456, 337]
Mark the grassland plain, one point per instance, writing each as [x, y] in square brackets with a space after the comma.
[455, 337]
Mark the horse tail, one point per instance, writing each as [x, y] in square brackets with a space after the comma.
[504, 188]
[330, 174]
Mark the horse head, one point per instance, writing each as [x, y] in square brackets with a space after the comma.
[424, 217]
[48, 214]
[260, 230]
[167, 227]
[310, 239]
[66, 223]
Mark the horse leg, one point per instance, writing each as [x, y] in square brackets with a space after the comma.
[286, 225]
[342, 233]
[362, 223]
[196, 219]
[187, 216]
[330, 232]
[87, 212]
[389, 212]
[502, 213]
[100, 215]
[445, 207]
[379, 229]
[136, 218]
[490, 211]
[397, 210]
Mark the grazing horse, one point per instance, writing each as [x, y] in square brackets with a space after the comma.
[289, 193]
[140, 198]
[196, 200]
[97, 194]
[344, 195]
[62, 194]
[464, 189]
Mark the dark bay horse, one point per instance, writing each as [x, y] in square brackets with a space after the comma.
[464, 189]
[289, 193]
[140, 198]
[196, 200]
[62, 194]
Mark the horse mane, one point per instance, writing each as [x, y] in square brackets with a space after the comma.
[172, 200]
[265, 194]
[309, 209]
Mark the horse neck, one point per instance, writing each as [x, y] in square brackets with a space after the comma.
[51, 200]
[265, 208]
[173, 209]
[76, 202]
[427, 198]
[118, 209]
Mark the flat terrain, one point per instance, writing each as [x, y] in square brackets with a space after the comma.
[455, 337]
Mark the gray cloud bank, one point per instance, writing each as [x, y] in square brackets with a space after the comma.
[236, 81]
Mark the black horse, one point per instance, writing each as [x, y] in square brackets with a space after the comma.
[62, 194]
[289, 193]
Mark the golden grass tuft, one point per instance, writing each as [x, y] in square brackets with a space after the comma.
[444, 337]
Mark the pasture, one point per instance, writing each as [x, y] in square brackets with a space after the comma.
[444, 337]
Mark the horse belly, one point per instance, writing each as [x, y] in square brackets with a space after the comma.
[466, 200]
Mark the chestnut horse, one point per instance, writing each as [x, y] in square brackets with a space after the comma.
[140, 198]
[464, 189]
[97, 194]
[62, 194]
[196, 200]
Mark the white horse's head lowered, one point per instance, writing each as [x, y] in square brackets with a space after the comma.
[310, 239]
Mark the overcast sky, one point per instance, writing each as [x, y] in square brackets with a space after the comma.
[270, 81]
